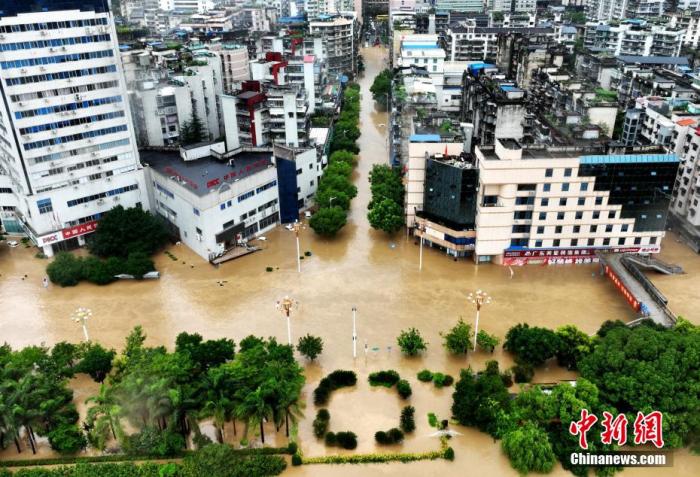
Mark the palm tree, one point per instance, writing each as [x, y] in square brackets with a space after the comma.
[254, 409]
[103, 418]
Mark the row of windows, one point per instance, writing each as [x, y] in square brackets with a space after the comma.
[57, 156]
[50, 60]
[565, 187]
[67, 107]
[581, 201]
[589, 242]
[522, 229]
[269, 185]
[16, 98]
[53, 25]
[74, 137]
[83, 165]
[72, 122]
[5, 190]
[102, 195]
[54, 42]
[60, 75]
[245, 196]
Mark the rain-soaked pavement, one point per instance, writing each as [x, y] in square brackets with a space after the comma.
[363, 268]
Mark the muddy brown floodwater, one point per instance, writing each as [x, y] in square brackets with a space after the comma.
[363, 268]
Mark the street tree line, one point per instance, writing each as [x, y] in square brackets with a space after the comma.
[335, 189]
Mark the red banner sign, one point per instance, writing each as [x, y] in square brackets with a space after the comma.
[78, 230]
[610, 273]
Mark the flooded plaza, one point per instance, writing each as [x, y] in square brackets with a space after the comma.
[359, 268]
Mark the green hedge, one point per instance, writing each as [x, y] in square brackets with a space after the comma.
[374, 458]
[131, 458]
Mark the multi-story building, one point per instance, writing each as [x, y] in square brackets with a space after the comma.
[340, 43]
[67, 145]
[472, 6]
[634, 37]
[234, 64]
[512, 6]
[160, 109]
[493, 104]
[214, 201]
[685, 206]
[607, 10]
[465, 41]
[688, 20]
[659, 121]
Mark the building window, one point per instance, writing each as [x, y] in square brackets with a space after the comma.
[518, 242]
[545, 202]
[547, 187]
[608, 228]
[562, 202]
[574, 242]
[548, 172]
[598, 201]
[543, 216]
[245, 196]
[228, 224]
[560, 215]
[44, 206]
[538, 243]
[611, 214]
[298, 171]
[652, 240]
[567, 172]
[591, 242]
[584, 186]
[527, 187]
[638, 240]
[594, 228]
[525, 200]
[625, 227]
[606, 241]
[490, 200]
[222, 206]
[558, 229]
[540, 230]
[581, 201]
[577, 229]
[556, 242]
[596, 215]
[579, 215]
[198, 231]
[195, 211]
[565, 187]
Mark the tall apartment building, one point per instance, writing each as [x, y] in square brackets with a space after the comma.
[471, 6]
[685, 207]
[512, 6]
[67, 145]
[634, 37]
[234, 64]
[607, 10]
[340, 43]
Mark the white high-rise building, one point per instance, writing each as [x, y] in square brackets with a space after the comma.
[67, 145]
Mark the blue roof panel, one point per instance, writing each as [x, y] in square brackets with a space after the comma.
[424, 138]
[628, 159]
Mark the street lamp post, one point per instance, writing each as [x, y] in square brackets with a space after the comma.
[421, 228]
[285, 306]
[81, 316]
[297, 227]
[354, 334]
[478, 298]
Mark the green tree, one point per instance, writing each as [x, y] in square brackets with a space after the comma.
[330, 197]
[411, 342]
[138, 264]
[67, 439]
[205, 354]
[381, 87]
[343, 156]
[65, 270]
[96, 362]
[310, 346]
[574, 345]
[337, 183]
[125, 231]
[387, 216]
[192, 131]
[486, 341]
[531, 345]
[328, 221]
[529, 450]
[459, 339]
[385, 183]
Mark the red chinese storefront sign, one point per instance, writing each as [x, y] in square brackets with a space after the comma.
[78, 230]
[610, 273]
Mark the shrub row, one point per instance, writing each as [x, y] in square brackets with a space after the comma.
[336, 380]
[68, 270]
[384, 378]
[408, 423]
[439, 379]
[392, 436]
[344, 439]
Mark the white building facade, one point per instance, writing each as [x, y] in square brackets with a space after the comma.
[67, 145]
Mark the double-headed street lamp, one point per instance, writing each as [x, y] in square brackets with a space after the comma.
[81, 316]
[285, 306]
[478, 298]
[354, 334]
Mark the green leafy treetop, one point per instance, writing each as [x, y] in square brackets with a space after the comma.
[123, 231]
[411, 342]
[387, 216]
[328, 221]
[459, 339]
[310, 346]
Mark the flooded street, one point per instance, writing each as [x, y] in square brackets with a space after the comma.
[360, 267]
